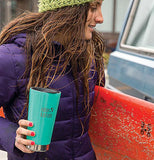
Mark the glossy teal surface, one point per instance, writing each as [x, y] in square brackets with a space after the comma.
[43, 105]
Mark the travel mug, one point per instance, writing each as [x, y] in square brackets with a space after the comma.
[42, 110]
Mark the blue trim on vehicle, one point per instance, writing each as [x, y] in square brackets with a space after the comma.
[132, 73]
[135, 75]
[124, 26]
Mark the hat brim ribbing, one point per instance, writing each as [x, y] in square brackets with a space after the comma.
[48, 5]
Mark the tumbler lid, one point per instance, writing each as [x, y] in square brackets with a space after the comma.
[47, 90]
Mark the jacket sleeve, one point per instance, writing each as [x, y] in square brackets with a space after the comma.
[7, 92]
[7, 135]
[7, 77]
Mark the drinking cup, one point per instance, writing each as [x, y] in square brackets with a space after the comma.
[42, 110]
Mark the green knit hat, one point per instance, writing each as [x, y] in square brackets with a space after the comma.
[45, 5]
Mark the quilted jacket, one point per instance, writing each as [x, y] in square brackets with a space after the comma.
[67, 142]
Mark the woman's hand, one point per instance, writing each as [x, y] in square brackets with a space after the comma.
[21, 134]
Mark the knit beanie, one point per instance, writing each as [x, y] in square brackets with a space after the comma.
[45, 5]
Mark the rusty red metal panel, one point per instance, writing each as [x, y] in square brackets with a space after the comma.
[121, 126]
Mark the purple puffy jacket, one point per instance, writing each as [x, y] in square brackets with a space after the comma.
[67, 142]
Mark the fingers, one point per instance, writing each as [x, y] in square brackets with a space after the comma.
[20, 144]
[23, 141]
[22, 132]
[25, 123]
[25, 132]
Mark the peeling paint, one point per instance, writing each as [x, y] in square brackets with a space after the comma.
[122, 126]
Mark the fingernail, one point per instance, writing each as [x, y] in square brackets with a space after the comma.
[30, 124]
[32, 143]
[32, 133]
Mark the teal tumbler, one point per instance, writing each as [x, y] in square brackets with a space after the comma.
[42, 110]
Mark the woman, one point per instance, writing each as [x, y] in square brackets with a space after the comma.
[55, 48]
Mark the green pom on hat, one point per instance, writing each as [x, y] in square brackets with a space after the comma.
[46, 5]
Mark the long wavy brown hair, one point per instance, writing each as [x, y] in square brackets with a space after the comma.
[66, 26]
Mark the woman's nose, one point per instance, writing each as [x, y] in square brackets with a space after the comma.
[99, 17]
